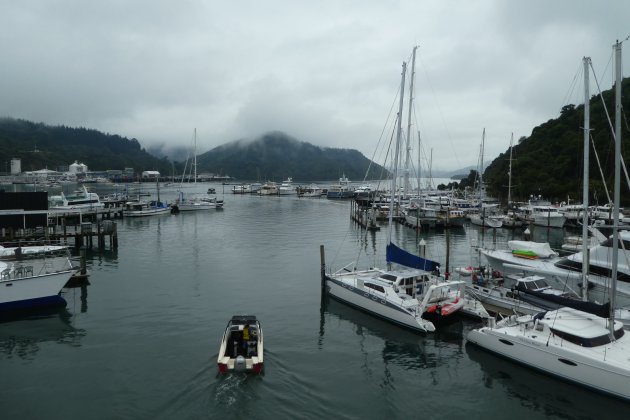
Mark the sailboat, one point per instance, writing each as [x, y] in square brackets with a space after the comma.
[141, 208]
[195, 202]
[413, 296]
[571, 344]
[484, 218]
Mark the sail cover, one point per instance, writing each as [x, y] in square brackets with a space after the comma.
[402, 257]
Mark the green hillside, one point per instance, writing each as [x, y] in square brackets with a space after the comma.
[550, 161]
[42, 146]
[276, 156]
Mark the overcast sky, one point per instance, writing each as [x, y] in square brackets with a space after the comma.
[325, 72]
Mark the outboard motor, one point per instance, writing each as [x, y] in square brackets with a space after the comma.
[239, 364]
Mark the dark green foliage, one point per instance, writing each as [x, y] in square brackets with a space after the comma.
[550, 161]
[43, 146]
[276, 156]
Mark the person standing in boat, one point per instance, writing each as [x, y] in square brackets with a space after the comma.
[246, 332]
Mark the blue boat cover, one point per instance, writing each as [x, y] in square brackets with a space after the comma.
[402, 257]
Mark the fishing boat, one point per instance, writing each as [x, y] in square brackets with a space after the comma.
[241, 347]
[33, 284]
[138, 208]
[343, 189]
[571, 344]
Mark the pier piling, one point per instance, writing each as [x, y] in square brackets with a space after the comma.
[322, 258]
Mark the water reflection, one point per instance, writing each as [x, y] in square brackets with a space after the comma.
[78, 291]
[401, 347]
[549, 396]
[23, 338]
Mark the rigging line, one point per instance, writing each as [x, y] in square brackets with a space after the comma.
[572, 85]
[610, 124]
[360, 250]
[448, 133]
[381, 136]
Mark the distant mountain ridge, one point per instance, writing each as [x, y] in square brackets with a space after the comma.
[277, 156]
[273, 156]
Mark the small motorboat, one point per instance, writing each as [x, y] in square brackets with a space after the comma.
[242, 346]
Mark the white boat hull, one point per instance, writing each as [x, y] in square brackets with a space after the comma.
[495, 301]
[552, 222]
[378, 307]
[563, 362]
[25, 287]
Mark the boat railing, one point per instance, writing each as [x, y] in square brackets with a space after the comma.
[17, 272]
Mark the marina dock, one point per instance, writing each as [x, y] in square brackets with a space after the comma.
[76, 228]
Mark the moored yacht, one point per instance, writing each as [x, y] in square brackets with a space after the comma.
[567, 343]
[406, 297]
[286, 187]
[268, 188]
[33, 283]
[567, 271]
[79, 199]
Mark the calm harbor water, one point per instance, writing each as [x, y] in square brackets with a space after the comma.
[141, 341]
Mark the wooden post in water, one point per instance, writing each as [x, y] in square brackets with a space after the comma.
[114, 237]
[83, 262]
[448, 253]
[322, 258]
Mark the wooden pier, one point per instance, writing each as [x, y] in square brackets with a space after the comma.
[360, 214]
[104, 234]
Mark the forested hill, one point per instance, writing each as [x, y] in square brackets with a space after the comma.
[550, 161]
[42, 146]
[276, 156]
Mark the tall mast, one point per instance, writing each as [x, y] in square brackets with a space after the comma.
[483, 139]
[430, 182]
[395, 174]
[195, 153]
[617, 187]
[587, 115]
[419, 171]
[408, 156]
[509, 201]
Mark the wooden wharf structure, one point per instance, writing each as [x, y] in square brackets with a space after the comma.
[78, 227]
[360, 213]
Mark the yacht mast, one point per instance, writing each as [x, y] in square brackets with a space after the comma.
[509, 200]
[395, 174]
[483, 139]
[195, 154]
[587, 116]
[408, 156]
[419, 173]
[617, 187]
